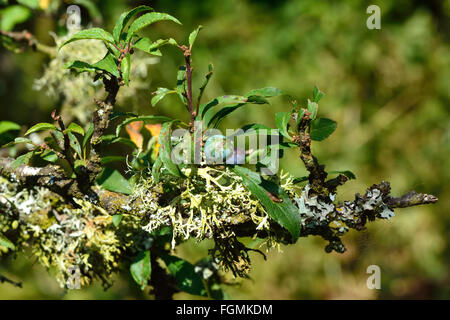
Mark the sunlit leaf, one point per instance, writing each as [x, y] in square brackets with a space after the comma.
[141, 268]
[41, 127]
[147, 19]
[322, 128]
[275, 201]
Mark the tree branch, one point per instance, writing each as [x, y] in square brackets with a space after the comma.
[26, 38]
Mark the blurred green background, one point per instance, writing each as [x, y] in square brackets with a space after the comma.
[388, 90]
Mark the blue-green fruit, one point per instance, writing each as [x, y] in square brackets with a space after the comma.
[217, 148]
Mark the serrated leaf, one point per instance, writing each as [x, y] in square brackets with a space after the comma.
[346, 173]
[6, 126]
[108, 63]
[146, 45]
[4, 242]
[93, 33]
[282, 122]
[126, 66]
[49, 155]
[41, 127]
[141, 269]
[125, 18]
[322, 128]
[165, 149]
[160, 94]
[146, 119]
[312, 108]
[317, 94]
[74, 143]
[73, 127]
[22, 160]
[88, 135]
[194, 35]
[17, 141]
[185, 276]
[112, 180]
[275, 201]
[147, 19]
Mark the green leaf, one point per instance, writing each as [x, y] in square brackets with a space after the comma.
[125, 18]
[6, 126]
[93, 33]
[147, 19]
[166, 149]
[317, 94]
[146, 45]
[194, 35]
[12, 15]
[205, 82]
[146, 119]
[49, 155]
[312, 108]
[41, 127]
[17, 141]
[141, 269]
[88, 135]
[267, 92]
[184, 272]
[300, 115]
[22, 160]
[346, 173]
[116, 219]
[282, 211]
[73, 127]
[126, 66]
[282, 122]
[322, 128]
[160, 94]
[74, 143]
[108, 64]
[112, 180]
[4, 242]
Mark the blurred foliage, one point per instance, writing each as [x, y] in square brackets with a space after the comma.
[388, 90]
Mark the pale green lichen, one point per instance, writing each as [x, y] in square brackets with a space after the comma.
[203, 205]
[63, 236]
